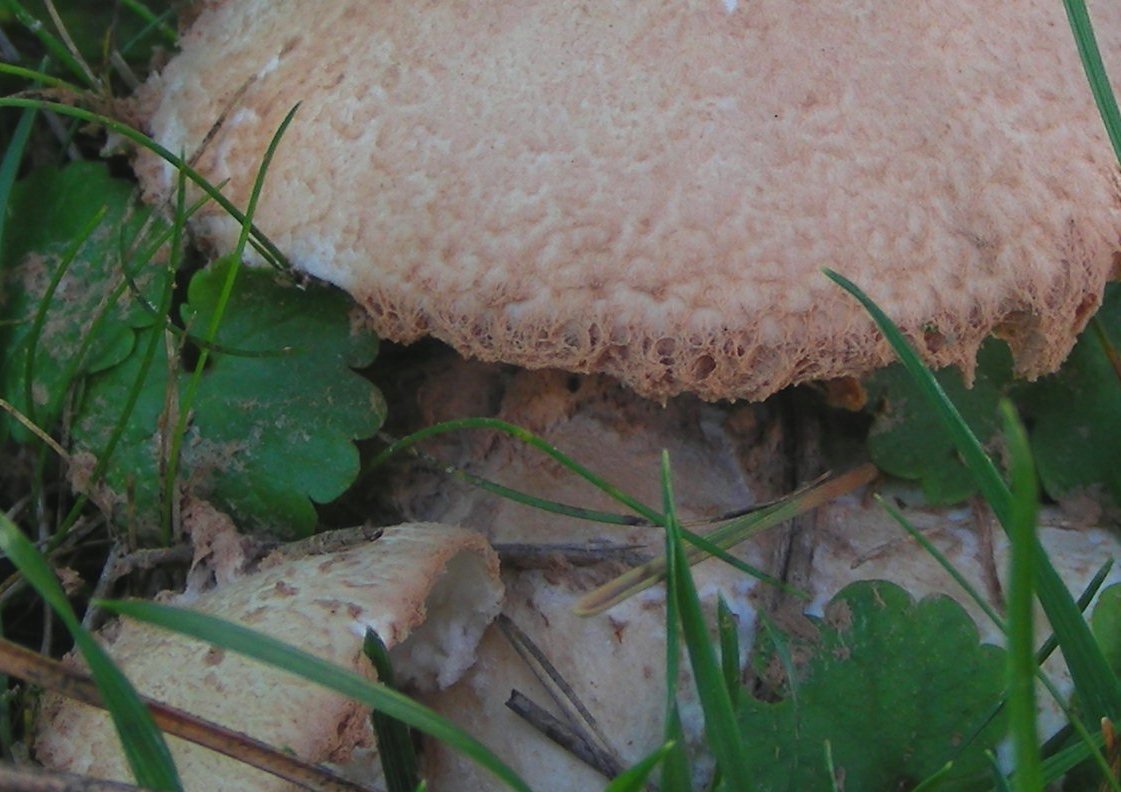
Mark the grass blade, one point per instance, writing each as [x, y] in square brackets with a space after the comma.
[270, 651]
[263, 244]
[13, 156]
[395, 744]
[52, 44]
[633, 779]
[722, 729]
[143, 744]
[1095, 682]
[726, 627]
[1084, 38]
[1024, 550]
[676, 774]
[738, 530]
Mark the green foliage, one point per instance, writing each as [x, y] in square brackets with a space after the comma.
[1072, 417]
[898, 688]
[1092, 677]
[907, 438]
[276, 413]
[1024, 550]
[722, 731]
[131, 27]
[1106, 624]
[1074, 414]
[278, 406]
[70, 263]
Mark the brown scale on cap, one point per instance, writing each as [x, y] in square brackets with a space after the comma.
[650, 190]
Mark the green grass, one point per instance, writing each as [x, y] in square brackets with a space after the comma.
[1013, 496]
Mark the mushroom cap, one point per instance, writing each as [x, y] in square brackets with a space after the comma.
[652, 190]
[428, 590]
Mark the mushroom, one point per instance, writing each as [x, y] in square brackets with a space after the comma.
[651, 191]
[428, 590]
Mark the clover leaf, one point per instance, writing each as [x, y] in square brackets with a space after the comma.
[273, 423]
[897, 688]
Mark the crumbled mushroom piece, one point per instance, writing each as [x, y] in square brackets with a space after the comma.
[723, 459]
[614, 662]
[429, 591]
[652, 190]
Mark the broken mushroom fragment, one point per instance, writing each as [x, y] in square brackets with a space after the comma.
[614, 663]
[428, 590]
[652, 190]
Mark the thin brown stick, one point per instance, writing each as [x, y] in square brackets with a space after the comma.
[562, 734]
[525, 555]
[18, 661]
[555, 684]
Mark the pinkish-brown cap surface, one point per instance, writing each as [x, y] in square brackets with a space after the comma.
[651, 190]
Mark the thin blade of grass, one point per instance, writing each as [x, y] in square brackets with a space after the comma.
[1062, 762]
[525, 436]
[1091, 57]
[262, 243]
[943, 562]
[727, 629]
[105, 455]
[34, 75]
[1000, 783]
[677, 776]
[642, 577]
[40, 318]
[1041, 654]
[1024, 550]
[633, 779]
[52, 44]
[143, 744]
[936, 780]
[1084, 599]
[1098, 688]
[782, 651]
[9, 167]
[275, 653]
[830, 768]
[722, 729]
[171, 470]
[158, 23]
[395, 744]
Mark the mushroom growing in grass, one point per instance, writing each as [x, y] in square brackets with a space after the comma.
[427, 590]
[652, 191]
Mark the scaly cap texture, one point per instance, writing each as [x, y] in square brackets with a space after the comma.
[651, 190]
